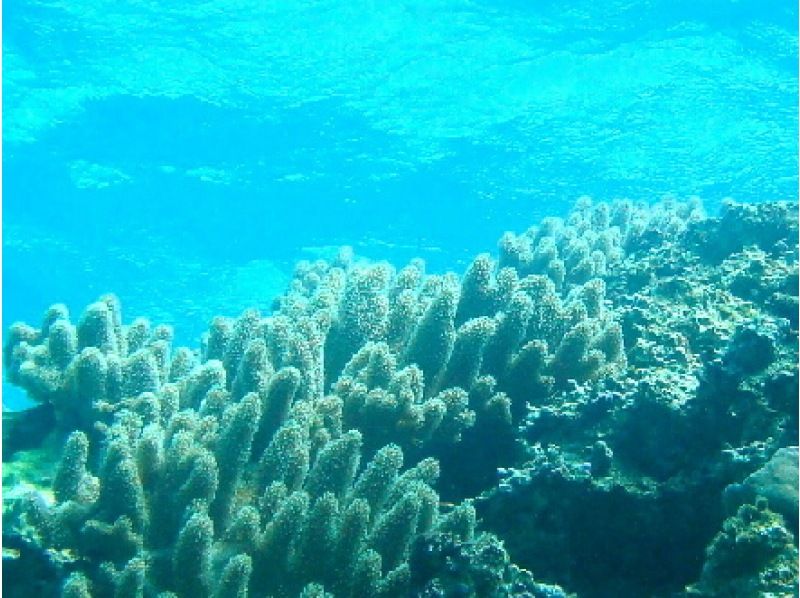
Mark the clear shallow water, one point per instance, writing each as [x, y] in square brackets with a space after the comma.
[184, 155]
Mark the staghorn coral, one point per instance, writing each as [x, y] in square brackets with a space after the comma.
[593, 239]
[389, 346]
[388, 403]
[424, 337]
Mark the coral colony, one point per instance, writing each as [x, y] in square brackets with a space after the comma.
[609, 404]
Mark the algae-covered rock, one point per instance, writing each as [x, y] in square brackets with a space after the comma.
[618, 534]
[777, 482]
[711, 373]
[444, 565]
[771, 226]
[753, 555]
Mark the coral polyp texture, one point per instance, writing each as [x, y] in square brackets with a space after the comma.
[80, 370]
[594, 403]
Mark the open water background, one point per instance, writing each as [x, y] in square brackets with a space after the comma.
[185, 154]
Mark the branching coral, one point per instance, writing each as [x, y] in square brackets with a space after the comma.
[82, 370]
[175, 506]
[623, 337]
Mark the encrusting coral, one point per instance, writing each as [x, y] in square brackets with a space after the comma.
[610, 357]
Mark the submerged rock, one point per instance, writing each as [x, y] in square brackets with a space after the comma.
[776, 481]
[753, 555]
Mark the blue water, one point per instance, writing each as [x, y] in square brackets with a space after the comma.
[185, 155]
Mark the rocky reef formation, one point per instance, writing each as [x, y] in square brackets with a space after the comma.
[656, 459]
[754, 555]
[630, 371]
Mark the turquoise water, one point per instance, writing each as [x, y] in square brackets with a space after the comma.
[186, 154]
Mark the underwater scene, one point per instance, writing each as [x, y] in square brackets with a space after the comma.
[427, 298]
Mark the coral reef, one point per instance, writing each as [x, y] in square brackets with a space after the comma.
[431, 345]
[80, 371]
[174, 505]
[753, 555]
[629, 373]
[710, 394]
